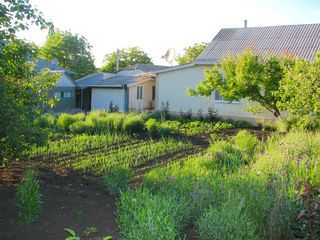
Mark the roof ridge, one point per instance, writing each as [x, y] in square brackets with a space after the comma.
[272, 26]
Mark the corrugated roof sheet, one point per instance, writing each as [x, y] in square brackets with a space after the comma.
[298, 40]
[41, 64]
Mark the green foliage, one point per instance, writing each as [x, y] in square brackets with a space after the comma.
[249, 76]
[191, 53]
[299, 93]
[29, 197]
[64, 121]
[143, 215]
[18, 15]
[73, 235]
[45, 121]
[117, 180]
[229, 221]
[133, 123]
[22, 92]
[152, 127]
[127, 57]
[246, 143]
[72, 51]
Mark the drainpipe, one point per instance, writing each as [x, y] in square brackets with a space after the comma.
[81, 104]
[245, 23]
[126, 98]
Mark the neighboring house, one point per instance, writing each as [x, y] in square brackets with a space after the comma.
[65, 89]
[171, 84]
[130, 89]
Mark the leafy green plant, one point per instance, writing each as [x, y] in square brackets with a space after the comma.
[29, 197]
[229, 221]
[72, 233]
[133, 123]
[45, 121]
[90, 230]
[247, 144]
[152, 127]
[118, 179]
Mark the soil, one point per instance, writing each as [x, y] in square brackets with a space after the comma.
[71, 199]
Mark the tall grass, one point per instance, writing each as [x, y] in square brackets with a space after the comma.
[29, 197]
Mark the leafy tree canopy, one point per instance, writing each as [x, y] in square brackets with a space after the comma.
[191, 53]
[73, 52]
[299, 93]
[249, 76]
[127, 57]
[16, 15]
[22, 91]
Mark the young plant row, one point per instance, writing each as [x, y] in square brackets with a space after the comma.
[129, 156]
[240, 189]
[76, 145]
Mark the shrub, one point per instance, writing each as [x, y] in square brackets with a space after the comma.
[133, 123]
[29, 197]
[246, 143]
[164, 110]
[80, 127]
[229, 221]
[45, 121]
[65, 120]
[226, 156]
[212, 113]
[118, 179]
[152, 127]
[142, 215]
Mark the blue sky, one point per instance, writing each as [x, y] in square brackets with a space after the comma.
[156, 26]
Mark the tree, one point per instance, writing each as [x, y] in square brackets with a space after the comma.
[249, 76]
[22, 91]
[127, 57]
[18, 15]
[73, 52]
[191, 53]
[299, 93]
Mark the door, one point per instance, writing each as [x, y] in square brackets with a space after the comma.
[139, 101]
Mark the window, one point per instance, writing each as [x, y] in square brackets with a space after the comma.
[217, 96]
[67, 94]
[139, 92]
[153, 92]
[57, 94]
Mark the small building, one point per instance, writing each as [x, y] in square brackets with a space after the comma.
[172, 83]
[65, 89]
[130, 89]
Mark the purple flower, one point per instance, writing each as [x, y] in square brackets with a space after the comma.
[308, 167]
[210, 192]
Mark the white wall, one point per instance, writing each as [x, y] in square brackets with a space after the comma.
[101, 98]
[172, 86]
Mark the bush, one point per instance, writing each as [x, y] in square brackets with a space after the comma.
[246, 143]
[65, 120]
[45, 121]
[228, 221]
[142, 215]
[152, 127]
[80, 127]
[226, 156]
[29, 197]
[133, 123]
[118, 179]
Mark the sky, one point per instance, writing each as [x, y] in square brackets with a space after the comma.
[156, 26]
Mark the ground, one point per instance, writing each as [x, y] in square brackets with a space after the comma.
[72, 199]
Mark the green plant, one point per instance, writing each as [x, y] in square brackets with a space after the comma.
[152, 127]
[90, 230]
[29, 197]
[143, 215]
[45, 121]
[118, 179]
[64, 121]
[164, 111]
[133, 123]
[73, 235]
[229, 221]
[247, 144]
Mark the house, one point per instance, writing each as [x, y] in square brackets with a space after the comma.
[171, 84]
[65, 89]
[130, 89]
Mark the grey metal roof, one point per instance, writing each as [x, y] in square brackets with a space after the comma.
[126, 76]
[41, 64]
[298, 40]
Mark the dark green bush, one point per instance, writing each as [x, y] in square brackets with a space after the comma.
[133, 123]
[45, 121]
[152, 127]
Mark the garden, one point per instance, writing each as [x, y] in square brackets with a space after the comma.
[131, 176]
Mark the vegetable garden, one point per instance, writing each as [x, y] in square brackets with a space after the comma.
[173, 179]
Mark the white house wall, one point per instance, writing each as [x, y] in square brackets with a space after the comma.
[101, 98]
[172, 86]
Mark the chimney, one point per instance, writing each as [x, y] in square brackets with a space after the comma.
[245, 23]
